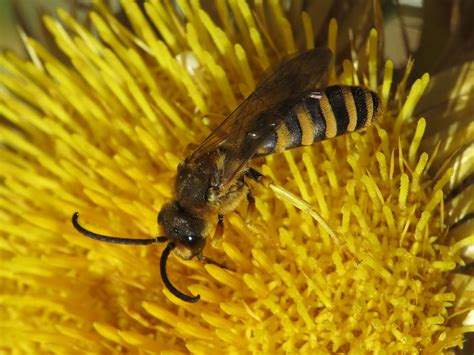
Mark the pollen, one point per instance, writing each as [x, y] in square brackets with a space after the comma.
[347, 249]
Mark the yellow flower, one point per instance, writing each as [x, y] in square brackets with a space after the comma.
[103, 134]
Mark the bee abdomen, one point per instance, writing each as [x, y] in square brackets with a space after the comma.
[323, 115]
[344, 109]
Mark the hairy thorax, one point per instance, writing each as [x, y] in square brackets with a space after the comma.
[200, 187]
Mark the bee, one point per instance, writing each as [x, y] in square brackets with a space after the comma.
[289, 109]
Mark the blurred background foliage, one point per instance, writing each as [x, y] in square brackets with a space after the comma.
[438, 34]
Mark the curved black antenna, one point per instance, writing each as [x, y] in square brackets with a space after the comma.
[166, 281]
[114, 240]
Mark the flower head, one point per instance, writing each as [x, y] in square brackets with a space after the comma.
[103, 134]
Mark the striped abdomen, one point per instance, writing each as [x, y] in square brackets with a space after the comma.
[323, 115]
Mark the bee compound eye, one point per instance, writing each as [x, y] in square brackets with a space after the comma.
[194, 243]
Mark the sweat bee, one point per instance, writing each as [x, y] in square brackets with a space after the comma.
[286, 110]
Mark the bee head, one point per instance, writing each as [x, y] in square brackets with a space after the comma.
[183, 229]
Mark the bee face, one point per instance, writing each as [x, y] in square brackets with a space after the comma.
[182, 228]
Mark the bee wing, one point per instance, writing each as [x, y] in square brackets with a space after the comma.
[247, 127]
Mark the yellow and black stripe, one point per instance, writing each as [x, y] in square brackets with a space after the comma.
[323, 115]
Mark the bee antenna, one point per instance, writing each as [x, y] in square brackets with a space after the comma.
[166, 281]
[114, 240]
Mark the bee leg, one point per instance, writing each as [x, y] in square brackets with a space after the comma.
[294, 200]
[206, 260]
[219, 232]
[253, 174]
[250, 207]
[220, 226]
[258, 177]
